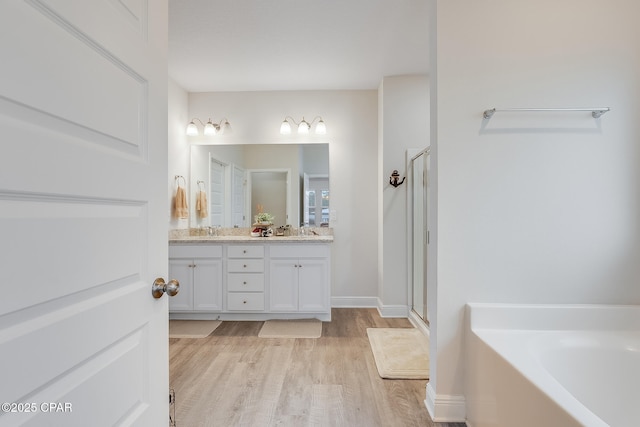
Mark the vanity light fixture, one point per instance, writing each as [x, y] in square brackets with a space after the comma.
[210, 128]
[303, 127]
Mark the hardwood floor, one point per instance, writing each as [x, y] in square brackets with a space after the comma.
[234, 378]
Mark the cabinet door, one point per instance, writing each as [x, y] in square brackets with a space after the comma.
[313, 285]
[207, 284]
[181, 270]
[283, 285]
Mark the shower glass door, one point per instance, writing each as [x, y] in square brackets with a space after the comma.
[420, 191]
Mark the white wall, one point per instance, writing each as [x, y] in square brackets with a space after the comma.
[534, 207]
[351, 119]
[178, 163]
[404, 118]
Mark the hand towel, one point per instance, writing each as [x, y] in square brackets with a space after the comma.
[201, 205]
[180, 207]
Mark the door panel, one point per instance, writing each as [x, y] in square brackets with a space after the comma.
[207, 285]
[83, 119]
[283, 285]
[238, 196]
[217, 194]
[182, 271]
[313, 289]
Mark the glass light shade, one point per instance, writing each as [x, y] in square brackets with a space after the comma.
[209, 128]
[226, 127]
[303, 128]
[285, 128]
[192, 129]
[321, 128]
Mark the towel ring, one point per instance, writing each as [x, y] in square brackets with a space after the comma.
[184, 181]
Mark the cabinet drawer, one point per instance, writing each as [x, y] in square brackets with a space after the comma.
[245, 265]
[195, 251]
[308, 250]
[245, 251]
[249, 282]
[245, 301]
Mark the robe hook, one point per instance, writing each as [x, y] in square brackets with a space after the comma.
[393, 179]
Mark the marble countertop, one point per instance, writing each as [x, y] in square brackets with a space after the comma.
[245, 239]
[243, 235]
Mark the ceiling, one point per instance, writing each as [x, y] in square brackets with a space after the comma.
[257, 45]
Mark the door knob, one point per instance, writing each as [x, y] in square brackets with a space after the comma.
[159, 287]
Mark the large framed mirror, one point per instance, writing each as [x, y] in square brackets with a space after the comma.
[230, 183]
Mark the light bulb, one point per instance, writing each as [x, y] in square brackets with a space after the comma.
[209, 128]
[303, 127]
[192, 129]
[285, 128]
[226, 127]
[321, 128]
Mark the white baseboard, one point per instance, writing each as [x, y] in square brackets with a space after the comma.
[393, 310]
[370, 302]
[354, 302]
[445, 408]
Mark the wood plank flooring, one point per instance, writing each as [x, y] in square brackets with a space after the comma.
[234, 378]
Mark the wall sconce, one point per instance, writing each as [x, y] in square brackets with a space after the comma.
[393, 179]
[210, 128]
[303, 126]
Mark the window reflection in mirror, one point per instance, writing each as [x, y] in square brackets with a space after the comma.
[230, 171]
[316, 200]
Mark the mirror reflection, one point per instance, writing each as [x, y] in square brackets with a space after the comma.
[231, 184]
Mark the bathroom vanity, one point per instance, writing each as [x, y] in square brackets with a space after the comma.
[251, 278]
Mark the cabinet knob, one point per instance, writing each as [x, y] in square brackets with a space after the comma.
[244, 251]
[245, 265]
[244, 302]
[244, 283]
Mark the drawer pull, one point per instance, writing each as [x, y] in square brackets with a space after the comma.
[245, 265]
[244, 283]
[244, 251]
[244, 302]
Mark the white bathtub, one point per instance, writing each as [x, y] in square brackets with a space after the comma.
[552, 365]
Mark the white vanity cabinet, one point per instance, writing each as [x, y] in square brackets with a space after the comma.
[198, 268]
[299, 278]
[251, 280]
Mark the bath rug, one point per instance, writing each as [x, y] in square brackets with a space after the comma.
[303, 328]
[192, 328]
[400, 353]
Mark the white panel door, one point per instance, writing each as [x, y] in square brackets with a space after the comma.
[83, 227]
[313, 289]
[182, 271]
[217, 187]
[207, 284]
[283, 284]
[238, 196]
